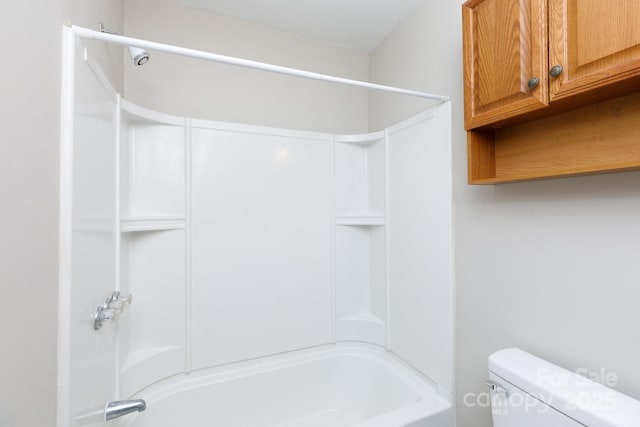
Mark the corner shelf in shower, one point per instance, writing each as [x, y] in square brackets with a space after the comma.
[364, 317]
[361, 219]
[363, 140]
[359, 325]
[130, 224]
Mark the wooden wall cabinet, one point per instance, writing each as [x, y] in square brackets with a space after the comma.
[597, 42]
[545, 66]
[505, 48]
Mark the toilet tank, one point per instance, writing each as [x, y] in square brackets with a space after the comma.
[527, 391]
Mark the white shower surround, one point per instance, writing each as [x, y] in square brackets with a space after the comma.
[259, 250]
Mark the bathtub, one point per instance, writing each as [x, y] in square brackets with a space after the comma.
[332, 386]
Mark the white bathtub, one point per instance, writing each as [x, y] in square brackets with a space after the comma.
[333, 386]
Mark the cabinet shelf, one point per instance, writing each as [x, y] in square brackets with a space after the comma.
[362, 219]
[599, 138]
[132, 224]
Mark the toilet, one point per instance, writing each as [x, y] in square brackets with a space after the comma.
[527, 391]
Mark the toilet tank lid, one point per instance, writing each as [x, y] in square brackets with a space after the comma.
[582, 399]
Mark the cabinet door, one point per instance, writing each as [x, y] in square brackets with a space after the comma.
[505, 45]
[596, 42]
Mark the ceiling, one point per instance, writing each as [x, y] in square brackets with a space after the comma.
[360, 24]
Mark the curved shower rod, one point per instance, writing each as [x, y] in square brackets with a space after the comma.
[176, 50]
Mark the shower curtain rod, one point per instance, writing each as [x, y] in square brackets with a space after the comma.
[176, 50]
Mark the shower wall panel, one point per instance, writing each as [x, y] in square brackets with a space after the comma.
[88, 244]
[420, 246]
[261, 244]
[155, 170]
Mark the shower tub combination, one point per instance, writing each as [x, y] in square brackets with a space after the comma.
[280, 278]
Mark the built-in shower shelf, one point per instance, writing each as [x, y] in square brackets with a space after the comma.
[151, 223]
[363, 317]
[366, 219]
[365, 139]
[362, 326]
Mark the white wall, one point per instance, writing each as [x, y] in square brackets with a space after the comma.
[29, 117]
[29, 79]
[549, 266]
[189, 87]
[89, 14]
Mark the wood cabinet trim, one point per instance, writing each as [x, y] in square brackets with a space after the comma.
[597, 138]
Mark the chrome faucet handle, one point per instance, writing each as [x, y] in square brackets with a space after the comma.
[126, 299]
[119, 302]
[108, 315]
[108, 311]
[104, 314]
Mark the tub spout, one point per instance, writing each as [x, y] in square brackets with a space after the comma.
[118, 408]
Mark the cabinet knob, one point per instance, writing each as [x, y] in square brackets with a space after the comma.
[555, 70]
[533, 82]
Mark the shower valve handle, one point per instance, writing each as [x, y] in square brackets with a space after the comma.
[108, 315]
[119, 302]
[108, 311]
[104, 314]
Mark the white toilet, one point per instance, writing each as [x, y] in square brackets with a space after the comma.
[527, 391]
